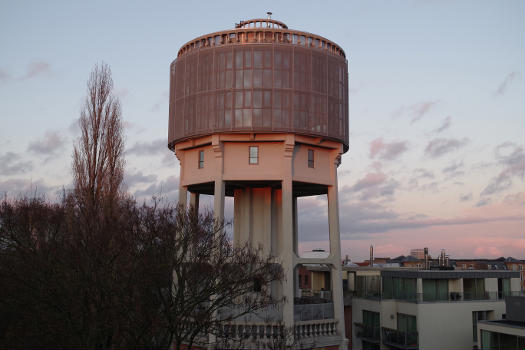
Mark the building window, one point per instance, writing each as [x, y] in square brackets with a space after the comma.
[254, 155]
[371, 324]
[201, 159]
[310, 158]
[435, 289]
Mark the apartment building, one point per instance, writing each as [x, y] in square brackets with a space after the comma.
[399, 308]
[507, 333]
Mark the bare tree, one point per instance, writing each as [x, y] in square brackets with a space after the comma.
[206, 282]
[98, 162]
[98, 271]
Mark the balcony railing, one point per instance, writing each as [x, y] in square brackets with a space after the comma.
[400, 339]
[309, 312]
[368, 333]
[270, 332]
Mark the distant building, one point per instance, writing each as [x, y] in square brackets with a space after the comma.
[418, 253]
[402, 308]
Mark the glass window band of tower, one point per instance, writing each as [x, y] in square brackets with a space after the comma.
[259, 88]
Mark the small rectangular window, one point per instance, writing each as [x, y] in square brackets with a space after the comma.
[310, 158]
[201, 159]
[254, 155]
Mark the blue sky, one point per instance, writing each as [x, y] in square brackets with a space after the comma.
[436, 109]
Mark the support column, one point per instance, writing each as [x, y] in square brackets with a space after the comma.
[194, 201]
[295, 227]
[335, 249]
[219, 189]
[183, 190]
[183, 196]
[286, 256]
[419, 289]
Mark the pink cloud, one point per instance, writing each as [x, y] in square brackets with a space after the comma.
[387, 151]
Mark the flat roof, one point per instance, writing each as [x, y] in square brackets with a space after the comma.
[436, 274]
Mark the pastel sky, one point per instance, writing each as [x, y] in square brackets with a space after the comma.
[437, 109]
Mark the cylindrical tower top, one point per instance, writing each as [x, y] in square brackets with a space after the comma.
[260, 77]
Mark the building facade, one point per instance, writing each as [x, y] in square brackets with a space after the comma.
[260, 113]
[508, 333]
[397, 308]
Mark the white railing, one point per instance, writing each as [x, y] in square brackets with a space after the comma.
[272, 331]
[315, 328]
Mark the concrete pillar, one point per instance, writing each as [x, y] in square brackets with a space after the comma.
[286, 249]
[219, 189]
[183, 196]
[194, 201]
[242, 216]
[335, 249]
[295, 227]
[419, 289]
[218, 200]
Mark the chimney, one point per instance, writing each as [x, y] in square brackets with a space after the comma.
[426, 259]
[371, 255]
[442, 258]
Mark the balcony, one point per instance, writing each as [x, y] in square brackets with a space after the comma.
[367, 333]
[268, 335]
[400, 339]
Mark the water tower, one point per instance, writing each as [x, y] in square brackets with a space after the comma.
[260, 113]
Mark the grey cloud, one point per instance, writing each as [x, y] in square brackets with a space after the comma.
[167, 188]
[363, 218]
[383, 220]
[454, 167]
[440, 146]
[51, 142]
[35, 69]
[423, 173]
[11, 163]
[420, 174]
[25, 187]
[157, 146]
[515, 199]
[132, 179]
[372, 186]
[483, 201]
[503, 86]
[466, 197]
[444, 125]
[497, 184]
[387, 151]
[511, 159]
[370, 180]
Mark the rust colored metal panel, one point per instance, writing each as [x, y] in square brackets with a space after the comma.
[267, 79]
